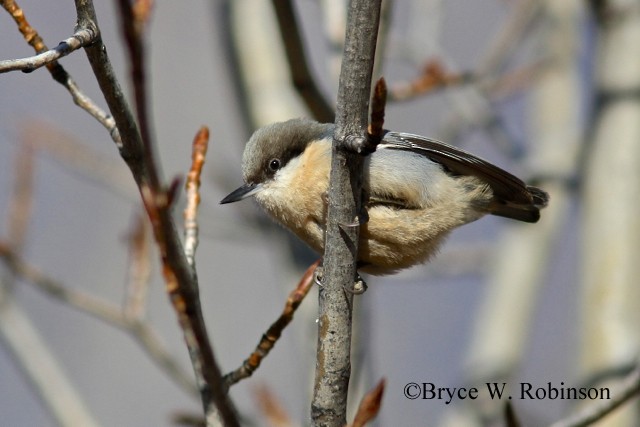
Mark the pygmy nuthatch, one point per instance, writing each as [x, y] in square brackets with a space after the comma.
[416, 191]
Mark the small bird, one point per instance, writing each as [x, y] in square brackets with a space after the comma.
[416, 190]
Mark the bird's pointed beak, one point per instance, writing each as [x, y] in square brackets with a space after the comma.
[247, 190]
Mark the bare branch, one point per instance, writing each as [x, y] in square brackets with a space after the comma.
[271, 336]
[40, 366]
[199, 151]
[510, 417]
[333, 363]
[59, 74]
[21, 203]
[76, 156]
[101, 310]
[28, 32]
[188, 419]
[472, 106]
[271, 408]
[81, 38]
[375, 129]
[79, 300]
[369, 406]
[17, 333]
[509, 38]
[139, 270]
[301, 76]
[133, 25]
[146, 337]
[130, 145]
[433, 77]
[610, 185]
[629, 389]
[137, 150]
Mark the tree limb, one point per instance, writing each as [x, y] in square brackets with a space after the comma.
[58, 72]
[271, 336]
[333, 364]
[192, 186]
[137, 151]
[80, 38]
[142, 333]
[301, 76]
[629, 389]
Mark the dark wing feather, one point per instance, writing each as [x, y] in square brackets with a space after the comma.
[518, 200]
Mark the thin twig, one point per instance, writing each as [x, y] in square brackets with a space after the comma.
[77, 156]
[301, 76]
[474, 109]
[89, 34]
[147, 338]
[28, 32]
[384, 31]
[17, 333]
[629, 389]
[81, 38]
[21, 202]
[139, 272]
[198, 154]
[131, 145]
[508, 39]
[272, 410]
[137, 151]
[188, 419]
[433, 77]
[369, 406]
[333, 359]
[141, 10]
[517, 79]
[79, 300]
[510, 417]
[271, 336]
[133, 30]
[101, 310]
[378, 104]
[39, 365]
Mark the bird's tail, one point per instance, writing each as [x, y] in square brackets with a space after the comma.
[526, 212]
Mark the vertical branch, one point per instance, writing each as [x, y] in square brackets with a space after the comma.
[260, 63]
[333, 364]
[137, 151]
[523, 253]
[272, 335]
[133, 25]
[58, 72]
[610, 268]
[369, 406]
[131, 148]
[139, 269]
[301, 76]
[198, 153]
[35, 359]
[20, 207]
[628, 389]
[17, 333]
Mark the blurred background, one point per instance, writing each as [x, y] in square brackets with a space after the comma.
[545, 89]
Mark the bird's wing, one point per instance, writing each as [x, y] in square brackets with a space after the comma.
[505, 186]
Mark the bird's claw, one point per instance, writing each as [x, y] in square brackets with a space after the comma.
[317, 276]
[361, 218]
[358, 287]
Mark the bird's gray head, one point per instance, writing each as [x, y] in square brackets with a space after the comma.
[271, 148]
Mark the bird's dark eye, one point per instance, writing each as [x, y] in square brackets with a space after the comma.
[274, 165]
